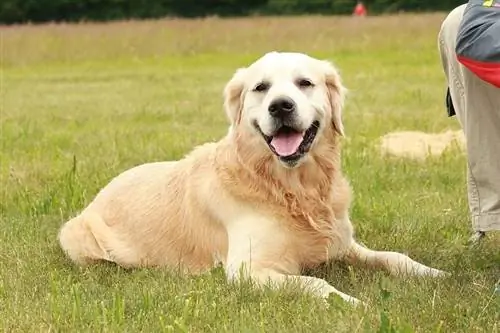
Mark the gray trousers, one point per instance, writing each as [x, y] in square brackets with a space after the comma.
[477, 106]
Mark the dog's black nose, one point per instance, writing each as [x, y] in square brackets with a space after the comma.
[281, 107]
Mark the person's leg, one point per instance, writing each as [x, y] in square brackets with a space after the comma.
[477, 106]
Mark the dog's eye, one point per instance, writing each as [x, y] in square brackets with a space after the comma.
[263, 86]
[304, 83]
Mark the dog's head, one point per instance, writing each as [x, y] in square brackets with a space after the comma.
[288, 101]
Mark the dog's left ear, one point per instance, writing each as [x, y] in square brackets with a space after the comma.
[233, 96]
[336, 95]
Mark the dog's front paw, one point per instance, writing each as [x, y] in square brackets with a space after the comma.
[328, 297]
[437, 273]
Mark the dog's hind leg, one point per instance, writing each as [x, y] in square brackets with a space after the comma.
[394, 262]
[87, 239]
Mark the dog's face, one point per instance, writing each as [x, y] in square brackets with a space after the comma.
[287, 100]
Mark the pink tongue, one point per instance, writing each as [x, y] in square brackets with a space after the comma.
[287, 144]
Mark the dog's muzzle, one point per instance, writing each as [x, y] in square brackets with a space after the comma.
[282, 108]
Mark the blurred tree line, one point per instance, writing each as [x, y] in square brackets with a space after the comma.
[17, 11]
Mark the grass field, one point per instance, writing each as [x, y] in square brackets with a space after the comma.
[81, 103]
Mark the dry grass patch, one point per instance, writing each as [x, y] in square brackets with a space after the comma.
[420, 145]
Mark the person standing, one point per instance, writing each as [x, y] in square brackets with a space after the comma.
[360, 9]
[469, 47]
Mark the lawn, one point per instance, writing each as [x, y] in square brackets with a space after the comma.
[81, 103]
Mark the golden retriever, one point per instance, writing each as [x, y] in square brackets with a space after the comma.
[267, 201]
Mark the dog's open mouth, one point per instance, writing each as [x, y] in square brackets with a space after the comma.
[290, 144]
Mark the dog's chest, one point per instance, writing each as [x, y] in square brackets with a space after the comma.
[315, 248]
[319, 231]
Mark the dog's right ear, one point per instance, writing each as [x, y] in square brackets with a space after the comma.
[233, 96]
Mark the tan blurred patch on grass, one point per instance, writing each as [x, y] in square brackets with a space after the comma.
[420, 145]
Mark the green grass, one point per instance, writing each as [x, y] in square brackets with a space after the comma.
[81, 103]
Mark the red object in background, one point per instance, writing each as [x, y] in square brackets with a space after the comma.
[359, 10]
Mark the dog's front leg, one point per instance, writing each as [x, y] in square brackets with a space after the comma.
[263, 276]
[258, 251]
[394, 262]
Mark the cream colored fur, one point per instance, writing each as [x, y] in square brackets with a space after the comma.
[233, 201]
